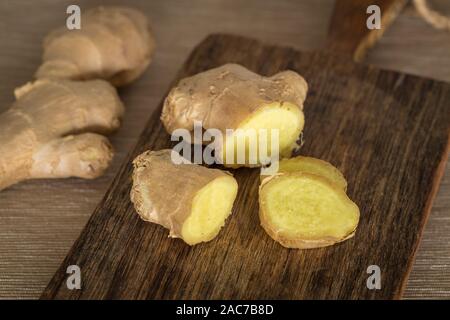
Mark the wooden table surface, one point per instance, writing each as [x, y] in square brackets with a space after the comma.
[39, 220]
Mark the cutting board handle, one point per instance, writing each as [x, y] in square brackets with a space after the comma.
[348, 32]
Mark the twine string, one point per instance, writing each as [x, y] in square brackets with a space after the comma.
[431, 16]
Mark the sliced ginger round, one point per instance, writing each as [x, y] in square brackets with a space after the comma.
[314, 166]
[303, 210]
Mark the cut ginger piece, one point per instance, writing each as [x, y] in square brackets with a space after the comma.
[303, 210]
[314, 166]
[240, 104]
[191, 201]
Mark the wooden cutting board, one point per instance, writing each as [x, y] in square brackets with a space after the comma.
[389, 134]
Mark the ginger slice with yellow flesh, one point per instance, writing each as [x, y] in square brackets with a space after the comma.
[304, 210]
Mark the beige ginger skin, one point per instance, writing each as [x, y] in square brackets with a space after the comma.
[114, 44]
[225, 96]
[54, 128]
[228, 97]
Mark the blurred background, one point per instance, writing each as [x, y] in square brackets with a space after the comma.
[39, 220]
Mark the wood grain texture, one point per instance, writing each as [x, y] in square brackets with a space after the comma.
[387, 132]
[348, 32]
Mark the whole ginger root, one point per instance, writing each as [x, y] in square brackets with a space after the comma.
[233, 97]
[54, 128]
[114, 44]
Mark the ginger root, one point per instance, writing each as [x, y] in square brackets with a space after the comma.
[314, 166]
[52, 130]
[233, 97]
[191, 201]
[114, 44]
[304, 210]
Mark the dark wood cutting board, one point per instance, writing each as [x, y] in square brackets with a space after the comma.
[389, 134]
